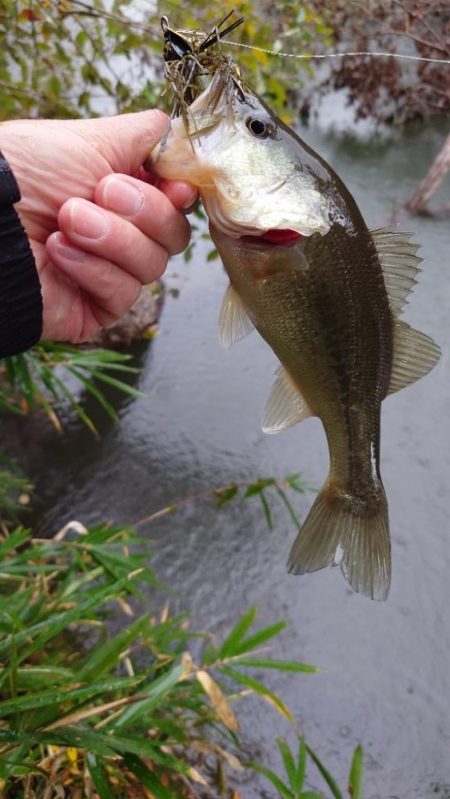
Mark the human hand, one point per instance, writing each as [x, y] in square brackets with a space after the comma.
[98, 232]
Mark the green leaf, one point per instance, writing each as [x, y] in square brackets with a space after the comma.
[282, 788]
[100, 743]
[289, 763]
[237, 633]
[258, 486]
[355, 778]
[63, 737]
[259, 638]
[105, 656]
[280, 665]
[119, 384]
[89, 386]
[155, 691]
[266, 509]
[325, 774]
[12, 541]
[31, 678]
[32, 701]
[294, 482]
[48, 629]
[99, 777]
[258, 688]
[288, 505]
[226, 494]
[147, 777]
[301, 764]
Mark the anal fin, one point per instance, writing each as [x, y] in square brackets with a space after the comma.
[234, 323]
[415, 354]
[285, 406]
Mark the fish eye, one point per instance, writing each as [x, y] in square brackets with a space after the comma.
[258, 127]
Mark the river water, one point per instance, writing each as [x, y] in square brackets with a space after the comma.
[385, 670]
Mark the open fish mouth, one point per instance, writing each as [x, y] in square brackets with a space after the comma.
[273, 238]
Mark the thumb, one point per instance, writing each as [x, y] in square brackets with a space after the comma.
[125, 141]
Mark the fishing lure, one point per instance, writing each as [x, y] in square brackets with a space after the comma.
[189, 58]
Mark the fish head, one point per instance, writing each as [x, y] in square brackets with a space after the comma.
[255, 176]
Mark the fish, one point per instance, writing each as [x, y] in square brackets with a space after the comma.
[325, 293]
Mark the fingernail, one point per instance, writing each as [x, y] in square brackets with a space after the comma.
[88, 221]
[189, 206]
[122, 197]
[66, 250]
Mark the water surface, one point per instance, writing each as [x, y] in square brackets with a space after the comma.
[385, 679]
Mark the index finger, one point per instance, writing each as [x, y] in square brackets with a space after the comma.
[146, 207]
[181, 194]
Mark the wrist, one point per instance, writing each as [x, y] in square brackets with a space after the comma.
[12, 133]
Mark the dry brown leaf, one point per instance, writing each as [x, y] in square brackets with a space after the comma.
[188, 665]
[218, 701]
[195, 775]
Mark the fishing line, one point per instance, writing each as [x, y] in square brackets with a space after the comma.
[337, 55]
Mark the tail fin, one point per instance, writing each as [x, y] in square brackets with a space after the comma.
[352, 533]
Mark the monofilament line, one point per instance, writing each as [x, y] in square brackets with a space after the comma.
[339, 55]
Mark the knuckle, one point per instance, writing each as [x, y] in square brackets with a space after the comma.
[105, 284]
[158, 264]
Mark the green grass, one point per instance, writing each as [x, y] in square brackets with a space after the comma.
[83, 706]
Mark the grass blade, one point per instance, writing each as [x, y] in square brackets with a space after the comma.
[15, 539]
[267, 511]
[288, 762]
[105, 656]
[355, 778]
[237, 633]
[279, 665]
[147, 777]
[259, 638]
[288, 506]
[325, 774]
[99, 777]
[301, 765]
[282, 789]
[259, 689]
[156, 689]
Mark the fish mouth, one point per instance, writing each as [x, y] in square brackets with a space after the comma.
[273, 238]
[260, 240]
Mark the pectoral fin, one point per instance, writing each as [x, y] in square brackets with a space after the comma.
[234, 323]
[415, 354]
[285, 406]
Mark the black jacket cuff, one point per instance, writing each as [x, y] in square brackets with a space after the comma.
[20, 291]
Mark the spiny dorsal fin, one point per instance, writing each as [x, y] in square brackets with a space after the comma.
[415, 354]
[234, 323]
[285, 406]
[400, 265]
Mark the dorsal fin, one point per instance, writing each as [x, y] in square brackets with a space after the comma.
[285, 406]
[415, 354]
[400, 265]
[234, 323]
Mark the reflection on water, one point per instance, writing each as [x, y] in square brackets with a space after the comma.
[386, 676]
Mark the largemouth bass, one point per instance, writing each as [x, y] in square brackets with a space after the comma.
[326, 295]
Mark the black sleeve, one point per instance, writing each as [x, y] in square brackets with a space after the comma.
[20, 291]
